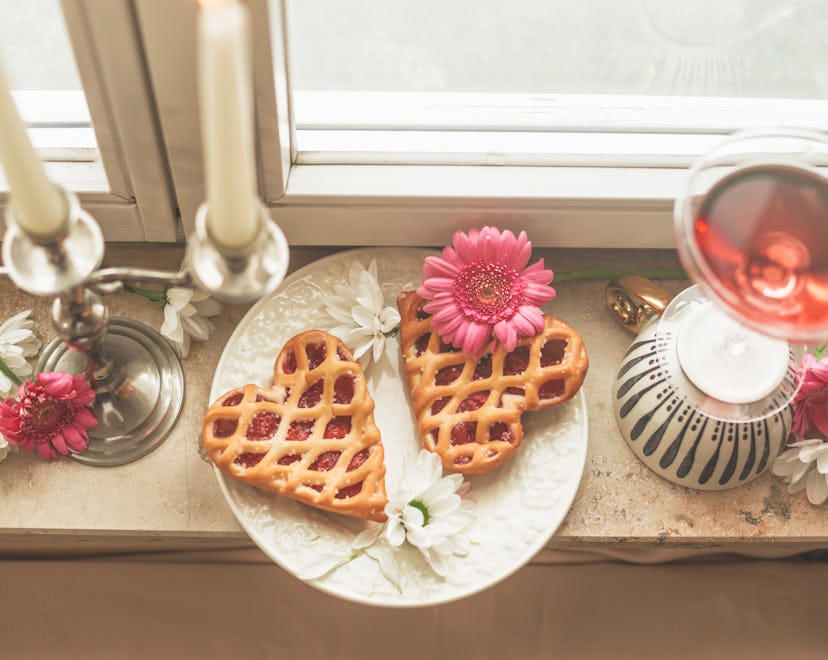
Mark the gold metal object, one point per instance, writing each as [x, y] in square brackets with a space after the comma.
[635, 300]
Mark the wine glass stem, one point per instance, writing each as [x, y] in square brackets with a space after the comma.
[736, 338]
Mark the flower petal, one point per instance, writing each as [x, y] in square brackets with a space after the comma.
[477, 336]
[506, 334]
[816, 488]
[435, 267]
[322, 565]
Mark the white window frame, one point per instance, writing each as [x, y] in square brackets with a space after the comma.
[119, 174]
[595, 184]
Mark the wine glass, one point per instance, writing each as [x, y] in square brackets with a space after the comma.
[751, 229]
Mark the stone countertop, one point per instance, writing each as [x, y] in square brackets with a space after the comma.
[170, 498]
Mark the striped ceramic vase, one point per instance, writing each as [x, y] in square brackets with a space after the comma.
[679, 442]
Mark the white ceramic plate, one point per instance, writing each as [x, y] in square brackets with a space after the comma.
[519, 506]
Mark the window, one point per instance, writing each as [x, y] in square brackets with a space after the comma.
[395, 122]
[77, 77]
[576, 121]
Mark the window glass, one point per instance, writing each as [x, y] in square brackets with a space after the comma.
[744, 48]
[35, 46]
[37, 58]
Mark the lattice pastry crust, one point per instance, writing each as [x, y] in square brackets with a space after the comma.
[469, 411]
[311, 436]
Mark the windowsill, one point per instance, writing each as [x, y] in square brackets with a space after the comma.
[576, 207]
[170, 499]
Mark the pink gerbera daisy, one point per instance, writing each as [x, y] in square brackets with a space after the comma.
[50, 416]
[811, 401]
[481, 286]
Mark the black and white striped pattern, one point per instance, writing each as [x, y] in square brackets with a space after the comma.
[681, 443]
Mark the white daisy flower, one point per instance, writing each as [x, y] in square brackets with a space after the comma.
[430, 513]
[367, 541]
[17, 342]
[359, 318]
[5, 448]
[804, 466]
[186, 315]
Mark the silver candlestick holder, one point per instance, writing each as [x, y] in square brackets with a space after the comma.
[136, 375]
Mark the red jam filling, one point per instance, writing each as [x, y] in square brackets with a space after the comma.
[463, 433]
[516, 362]
[501, 431]
[439, 404]
[421, 344]
[311, 396]
[422, 314]
[448, 348]
[358, 459]
[300, 430]
[462, 460]
[344, 389]
[551, 389]
[431, 438]
[338, 427]
[290, 458]
[553, 352]
[349, 491]
[515, 390]
[473, 401]
[263, 426]
[325, 461]
[483, 368]
[234, 399]
[224, 428]
[448, 375]
[289, 363]
[316, 355]
[248, 459]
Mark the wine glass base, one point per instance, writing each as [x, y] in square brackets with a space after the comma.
[728, 361]
[670, 327]
[138, 403]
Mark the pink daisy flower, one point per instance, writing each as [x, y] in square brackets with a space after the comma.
[481, 286]
[811, 401]
[50, 416]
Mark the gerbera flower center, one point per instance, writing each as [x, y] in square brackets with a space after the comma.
[489, 292]
[42, 415]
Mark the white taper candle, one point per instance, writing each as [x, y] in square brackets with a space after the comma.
[226, 99]
[39, 208]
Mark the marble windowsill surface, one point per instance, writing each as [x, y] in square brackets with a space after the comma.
[170, 499]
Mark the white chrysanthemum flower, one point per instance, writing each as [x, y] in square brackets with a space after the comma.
[5, 447]
[367, 541]
[186, 315]
[804, 466]
[17, 342]
[429, 512]
[359, 318]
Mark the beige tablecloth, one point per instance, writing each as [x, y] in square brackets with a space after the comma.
[222, 607]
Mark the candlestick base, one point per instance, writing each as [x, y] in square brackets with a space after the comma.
[139, 391]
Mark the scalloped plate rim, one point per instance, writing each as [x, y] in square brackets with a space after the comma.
[566, 502]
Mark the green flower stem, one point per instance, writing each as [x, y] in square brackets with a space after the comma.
[9, 373]
[149, 294]
[819, 350]
[655, 274]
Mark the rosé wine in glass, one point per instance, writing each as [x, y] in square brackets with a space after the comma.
[762, 234]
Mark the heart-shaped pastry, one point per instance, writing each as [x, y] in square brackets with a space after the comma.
[468, 410]
[311, 436]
